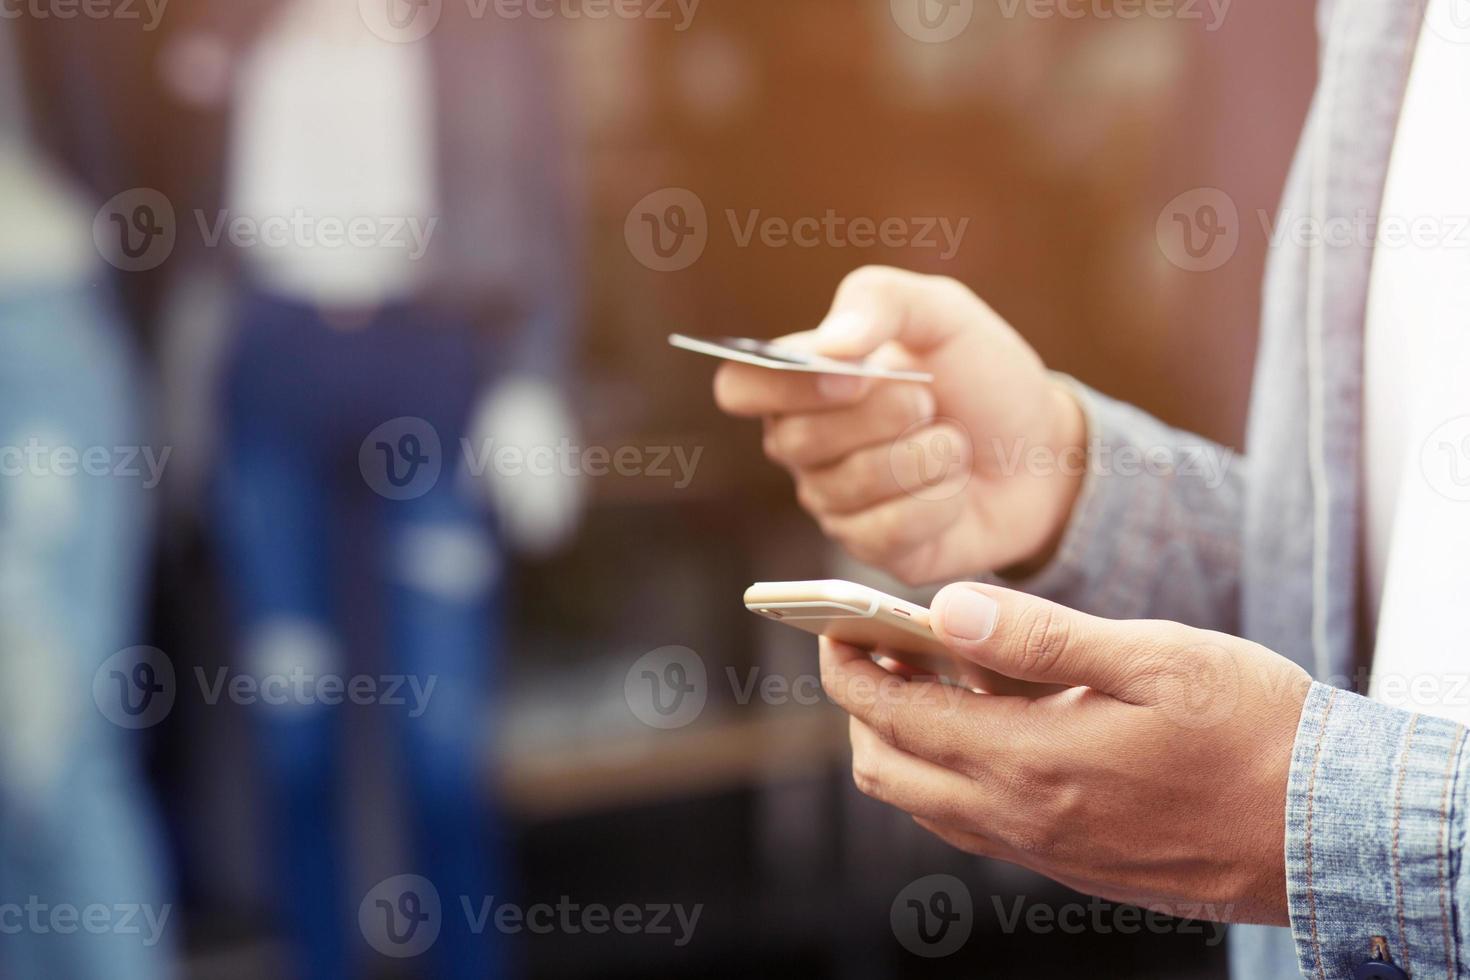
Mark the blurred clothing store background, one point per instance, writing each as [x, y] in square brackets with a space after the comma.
[353, 508]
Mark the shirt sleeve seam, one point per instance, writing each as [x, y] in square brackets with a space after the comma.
[1450, 953]
[1398, 809]
[1307, 837]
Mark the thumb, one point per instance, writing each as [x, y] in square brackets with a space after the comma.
[877, 304]
[984, 372]
[1032, 639]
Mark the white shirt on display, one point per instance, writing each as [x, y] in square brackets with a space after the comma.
[332, 169]
[1417, 395]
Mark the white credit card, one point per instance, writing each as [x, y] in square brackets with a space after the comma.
[763, 353]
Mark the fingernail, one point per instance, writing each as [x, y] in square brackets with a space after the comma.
[840, 387]
[967, 614]
[843, 329]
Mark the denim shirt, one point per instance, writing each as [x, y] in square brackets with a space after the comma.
[1270, 550]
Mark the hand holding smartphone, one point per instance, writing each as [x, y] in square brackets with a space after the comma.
[864, 617]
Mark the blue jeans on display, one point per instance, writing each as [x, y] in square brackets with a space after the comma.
[78, 829]
[303, 400]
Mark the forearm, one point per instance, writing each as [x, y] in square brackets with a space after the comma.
[1155, 532]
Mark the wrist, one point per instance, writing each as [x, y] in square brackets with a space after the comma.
[1066, 444]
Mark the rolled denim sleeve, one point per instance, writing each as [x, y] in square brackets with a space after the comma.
[1156, 530]
[1375, 829]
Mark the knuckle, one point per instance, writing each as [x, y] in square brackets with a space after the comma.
[849, 485]
[868, 537]
[916, 568]
[918, 404]
[1036, 840]
[1043, 638]
[866, 780]
[812, 498]
[867, 277]
[958, 291]
[858, 550]
[1170, 652]
[948, 284]
[886, 537]
[792, 441]
[728, 394]
[1154, 661]
[1022, 783]
[909, 573]
[953, 757]
[957, 445]
[965, 731]
[1049, 837]
[883, 720]
[1163, 636]
[1041, 804]
[898, 402]
[866, 774]
[771, 446]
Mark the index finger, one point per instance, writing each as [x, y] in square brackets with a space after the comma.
[955, 728]
[748, 391]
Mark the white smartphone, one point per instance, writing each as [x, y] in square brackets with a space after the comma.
[763, 353]
[867, 618]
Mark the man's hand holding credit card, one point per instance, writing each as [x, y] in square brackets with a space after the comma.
[927, 480]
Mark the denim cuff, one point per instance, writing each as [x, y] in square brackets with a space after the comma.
[1374, 826]
[1155, 531]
